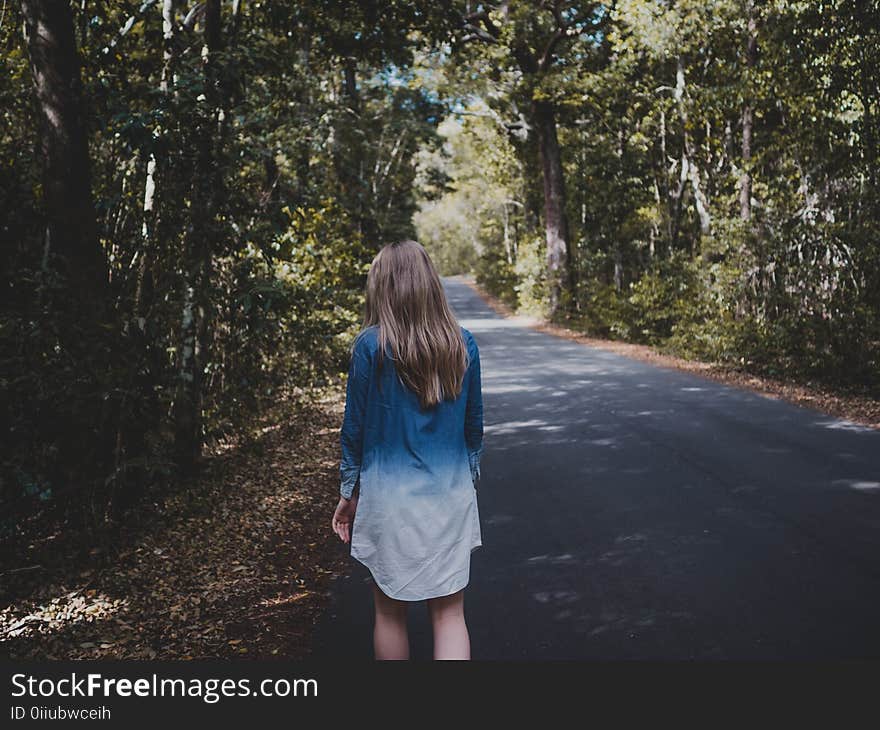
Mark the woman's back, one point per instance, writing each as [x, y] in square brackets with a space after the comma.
[401, 427]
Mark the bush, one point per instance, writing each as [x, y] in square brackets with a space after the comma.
[669, 296]
[607, 313]
[497, 276]
[531, 276]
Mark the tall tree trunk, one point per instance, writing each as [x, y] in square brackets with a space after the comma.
[303, 98]
[71, 231]
[690, 157]
[350, 80]
[678, 200]
[745, 181]
[145, 415]
[143, 298]
[506, 221]
[559, 258]
[674, 195]
[167, 44]
[198, 254]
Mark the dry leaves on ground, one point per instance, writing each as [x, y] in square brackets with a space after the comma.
[236, 564]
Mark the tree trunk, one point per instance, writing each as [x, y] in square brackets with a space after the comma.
[745, 181]
[71, 230]
[689, 156]
[559, 259]
[167, 44]
[351, 89]
[198, 262]
[131, 442]
[144, 290]
[868, 88]
[303, 98]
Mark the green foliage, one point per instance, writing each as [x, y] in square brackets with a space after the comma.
[665, 298]
[318, 131]
[652, 100]
[497, 275]
[531, 276]
[476, 210]
[607, 314]
[281, 161]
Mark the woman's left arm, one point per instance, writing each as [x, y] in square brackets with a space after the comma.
[351, 439]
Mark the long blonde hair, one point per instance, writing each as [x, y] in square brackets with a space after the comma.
[405, 298]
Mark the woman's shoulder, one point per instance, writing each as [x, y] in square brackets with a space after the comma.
[469, 338]
[366, 339]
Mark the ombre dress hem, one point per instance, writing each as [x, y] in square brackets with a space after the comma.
[379, 546]
[422, 597]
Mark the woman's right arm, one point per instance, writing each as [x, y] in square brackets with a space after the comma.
[473, 420]
[351, 435]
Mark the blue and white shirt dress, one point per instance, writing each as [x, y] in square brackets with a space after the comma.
[417, 520]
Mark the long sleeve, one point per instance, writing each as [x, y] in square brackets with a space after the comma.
[473, 420]
[351, 435]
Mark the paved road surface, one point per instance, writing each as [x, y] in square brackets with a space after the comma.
[636, 512]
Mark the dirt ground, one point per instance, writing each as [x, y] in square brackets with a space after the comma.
[236, 564]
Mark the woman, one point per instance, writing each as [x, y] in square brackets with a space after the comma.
[412, 438]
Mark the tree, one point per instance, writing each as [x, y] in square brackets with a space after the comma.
[748, 112]
[70, 236]
[200, 246]
[544, 44]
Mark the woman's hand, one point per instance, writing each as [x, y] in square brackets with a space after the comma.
[343, 518]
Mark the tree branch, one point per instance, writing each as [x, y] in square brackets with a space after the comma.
[470, 23]
[557, 36]
[563, 30]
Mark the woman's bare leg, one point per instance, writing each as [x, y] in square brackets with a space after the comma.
[390, 639]
[451, 639]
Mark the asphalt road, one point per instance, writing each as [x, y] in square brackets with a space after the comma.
[636, 512]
